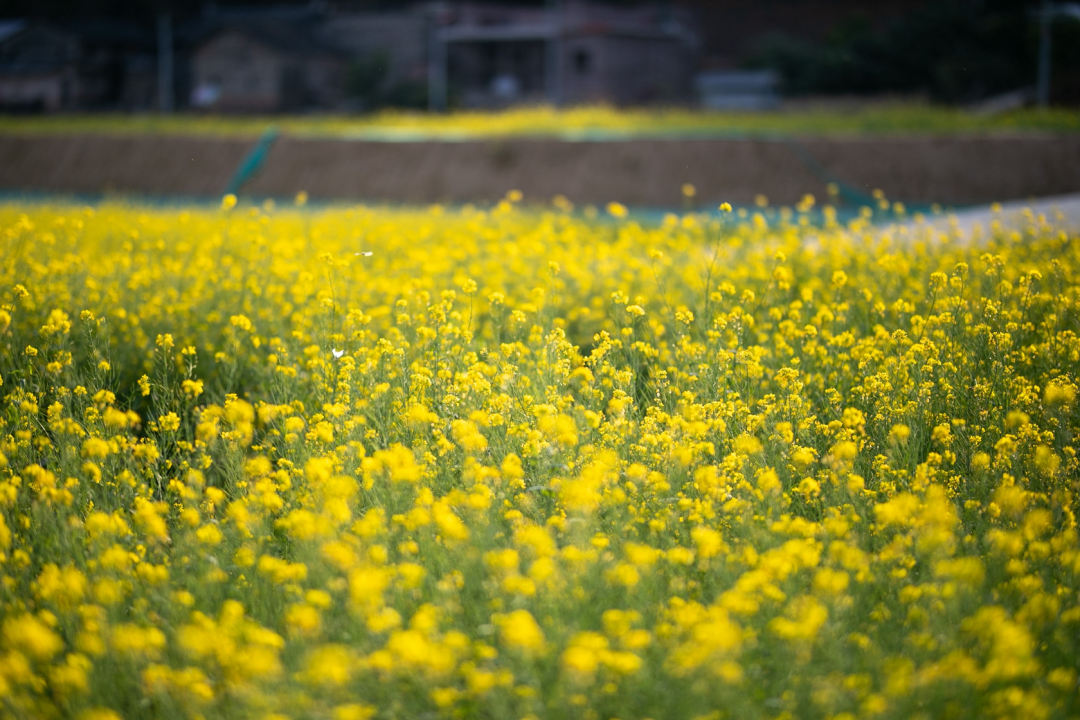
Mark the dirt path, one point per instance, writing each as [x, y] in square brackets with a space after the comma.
[947, 170]
[1062, 211]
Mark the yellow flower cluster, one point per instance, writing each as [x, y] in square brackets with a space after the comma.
[602, 121]
[513, 462]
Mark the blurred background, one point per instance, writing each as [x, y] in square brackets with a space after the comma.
[948, 101]
[361, 55]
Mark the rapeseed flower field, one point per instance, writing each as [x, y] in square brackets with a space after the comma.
[511, 462]
[583, 122]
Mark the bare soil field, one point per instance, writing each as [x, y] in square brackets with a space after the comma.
[947, 170]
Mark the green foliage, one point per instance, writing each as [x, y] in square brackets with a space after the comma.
[948, 51]
[369, 85]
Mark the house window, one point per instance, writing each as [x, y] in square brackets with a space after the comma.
[582, 61]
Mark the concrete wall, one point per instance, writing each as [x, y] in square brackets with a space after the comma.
[141, 165]
[647, 173]
[651, 172]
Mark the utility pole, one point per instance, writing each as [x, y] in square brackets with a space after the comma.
[1043, 87]
[165, 63]
[555, 53]
[437, 67]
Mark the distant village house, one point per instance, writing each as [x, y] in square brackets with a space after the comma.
[265, 65]
[53, 67]
[571, 53]
[317, 56]
[38, 67]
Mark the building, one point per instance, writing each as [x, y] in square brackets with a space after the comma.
[568, 53]
[266, 61]
[38, 67]
[467, 54]
[50, 67]
[287, 58]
